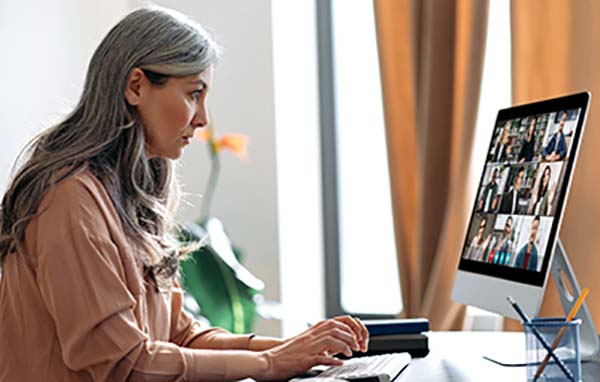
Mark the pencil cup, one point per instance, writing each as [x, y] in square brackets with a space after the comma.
[566, 349]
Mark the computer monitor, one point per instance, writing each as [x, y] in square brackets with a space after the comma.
[514, 225]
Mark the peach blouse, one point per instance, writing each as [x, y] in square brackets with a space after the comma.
[77, 308]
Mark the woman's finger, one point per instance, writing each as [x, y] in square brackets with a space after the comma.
[339, 330]
[365, 336]
[346, 336]
[327, 360]
[332, 324]
[350, 321]
[333, 345]
[359, 329]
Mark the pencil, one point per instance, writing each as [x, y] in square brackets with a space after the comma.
[556, 341]
[539, 336]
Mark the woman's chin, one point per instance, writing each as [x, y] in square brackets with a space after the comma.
[170, 153]
[174, 155]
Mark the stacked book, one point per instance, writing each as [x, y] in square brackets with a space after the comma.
[398, 335]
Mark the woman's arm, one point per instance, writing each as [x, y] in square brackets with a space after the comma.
[188, 332]
[260, 343]
[82, 281]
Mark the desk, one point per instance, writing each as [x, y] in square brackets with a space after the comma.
[457, 356]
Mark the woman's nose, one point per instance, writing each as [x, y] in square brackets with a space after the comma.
[201, 118]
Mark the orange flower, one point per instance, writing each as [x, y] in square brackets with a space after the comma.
[236, 143]
[202, 134]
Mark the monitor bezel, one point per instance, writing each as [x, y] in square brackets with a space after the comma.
[573, 101]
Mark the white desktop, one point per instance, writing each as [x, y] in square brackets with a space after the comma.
[512, 245]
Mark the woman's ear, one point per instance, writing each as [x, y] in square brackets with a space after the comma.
[135, 88]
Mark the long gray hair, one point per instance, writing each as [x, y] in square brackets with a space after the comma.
[104, 135]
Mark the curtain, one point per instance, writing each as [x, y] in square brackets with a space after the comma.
[556, 50]
[431, 58]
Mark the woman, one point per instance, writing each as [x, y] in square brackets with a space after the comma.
[502, 149]
[541, 204]
[89, 289]
[479, 243]
[528, 147]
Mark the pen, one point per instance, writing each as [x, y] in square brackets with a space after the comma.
[538, 335]
[570, 317]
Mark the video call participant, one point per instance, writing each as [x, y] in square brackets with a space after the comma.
[527, 258]
[542, 202]
[479, 244]
[510, 200]
[502, 251]
[528, 147]
[557, 146]
[486, 201]
[502, 148]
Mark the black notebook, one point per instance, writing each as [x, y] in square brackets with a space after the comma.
[417, 345]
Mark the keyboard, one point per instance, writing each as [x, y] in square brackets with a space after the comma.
[376, 368]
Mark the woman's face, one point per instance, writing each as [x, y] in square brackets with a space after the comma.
[546, 177]
[481, 228]
[505, 132]
[531, 128]
[172, 111]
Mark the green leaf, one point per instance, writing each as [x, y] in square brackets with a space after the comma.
[223, 299]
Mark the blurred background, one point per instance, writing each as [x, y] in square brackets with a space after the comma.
[368, 125]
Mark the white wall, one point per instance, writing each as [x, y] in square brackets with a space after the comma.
[45, 47]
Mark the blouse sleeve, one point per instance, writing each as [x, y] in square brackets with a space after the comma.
[82, 282]
[188, 332]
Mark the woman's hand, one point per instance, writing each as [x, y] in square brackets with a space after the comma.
[358, 328]
[316, 346]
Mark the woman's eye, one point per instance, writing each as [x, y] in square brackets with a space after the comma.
[196, 94]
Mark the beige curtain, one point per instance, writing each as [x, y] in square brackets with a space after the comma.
[556, 50]
[431, 56]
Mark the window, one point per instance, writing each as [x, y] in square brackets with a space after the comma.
[359, 234]
[298, 164]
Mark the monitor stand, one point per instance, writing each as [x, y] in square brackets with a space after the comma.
[589, 343]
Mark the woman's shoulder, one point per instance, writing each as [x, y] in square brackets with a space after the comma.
[76, 180]
[79, 192]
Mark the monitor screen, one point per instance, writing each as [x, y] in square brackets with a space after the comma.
[523, 186]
